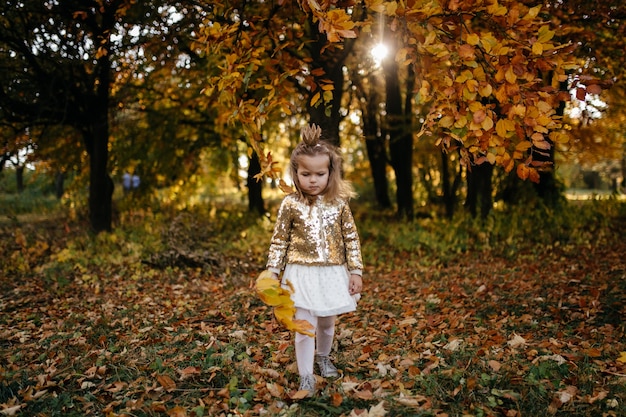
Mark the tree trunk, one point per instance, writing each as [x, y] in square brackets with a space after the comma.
[3, 160]
[328, 118]
[59, 181]
[255, 188]
[449, 186]
[19, 178]
[331, 62]
[400, 140]
[375, 145]
[479, 184]
[100, 184]
[97, 144]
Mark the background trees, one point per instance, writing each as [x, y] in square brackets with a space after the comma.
[170, 89]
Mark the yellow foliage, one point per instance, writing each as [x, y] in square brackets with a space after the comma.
[274, 295]
[473, 39]
[545, 34]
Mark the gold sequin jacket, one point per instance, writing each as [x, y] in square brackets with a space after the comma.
[320, 234]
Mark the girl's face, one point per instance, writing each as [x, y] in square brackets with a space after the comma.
[313, 172]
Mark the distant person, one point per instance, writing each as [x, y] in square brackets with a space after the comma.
[135, 181]
[126, 182]
[130, 182]
[316, 246]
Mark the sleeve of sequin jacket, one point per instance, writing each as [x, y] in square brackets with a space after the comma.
[351, 241]
[280, 238]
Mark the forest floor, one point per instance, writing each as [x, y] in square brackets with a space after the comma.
[95, 326]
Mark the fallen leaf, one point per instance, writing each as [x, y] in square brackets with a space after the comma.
[177, 411]
[166, 382]
[336, 399]
[495, 365]
[11, 411]
[188, 372]
[516, 341]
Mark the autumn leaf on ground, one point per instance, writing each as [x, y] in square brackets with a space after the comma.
[622, 357]
[274, 295]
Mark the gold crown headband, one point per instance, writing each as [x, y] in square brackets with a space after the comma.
[311, 134]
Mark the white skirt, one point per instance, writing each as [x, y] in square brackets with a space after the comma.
[323, 290]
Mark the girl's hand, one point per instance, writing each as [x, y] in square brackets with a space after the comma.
[356, 284]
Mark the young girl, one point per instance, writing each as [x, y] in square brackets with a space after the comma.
[316, 245]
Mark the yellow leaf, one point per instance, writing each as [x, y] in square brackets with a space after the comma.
[392, 6]
[523, 146]
[375, 5]
[274, 295]
[496, 9]
[473, 39]
[537, 48]
[485, 90]
[510, 76]
[559, 137]
[622, 357]
[545, 34]
[533, 12]
[315, 99]
[488, 42]
[487, 123]
[284, 314]
[503, 126]
[446, 121]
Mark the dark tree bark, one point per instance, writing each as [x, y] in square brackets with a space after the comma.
[400, 138]
[375, 145]
[59, 184]
[96, 138]
[479, 185]
[19, 178]
[3, 160]
[331, 62]
[449, 186]
[328, 118]
[255, 188]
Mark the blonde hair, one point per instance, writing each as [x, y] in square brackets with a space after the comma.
[312, 144]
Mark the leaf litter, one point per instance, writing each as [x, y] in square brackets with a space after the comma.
[484, 334]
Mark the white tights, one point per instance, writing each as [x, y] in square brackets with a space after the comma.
[324, 329]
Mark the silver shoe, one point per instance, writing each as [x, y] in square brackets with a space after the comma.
[307, 383]
[326, 367]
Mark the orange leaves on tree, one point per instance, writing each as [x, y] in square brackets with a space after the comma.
[267, 167]
[492, 90]
[274, 295]
[335, 23]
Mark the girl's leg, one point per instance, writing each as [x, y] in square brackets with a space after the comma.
[305, 345]
[325, 334]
